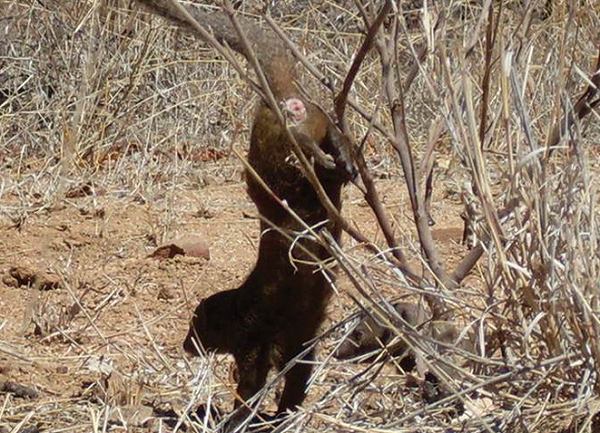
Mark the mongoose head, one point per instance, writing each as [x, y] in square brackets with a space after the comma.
[364, 338]
[315, 130]
[369, 334]
[211, 325]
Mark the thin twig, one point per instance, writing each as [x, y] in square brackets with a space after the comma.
[341, 100]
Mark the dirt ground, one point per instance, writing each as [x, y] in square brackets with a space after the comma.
[116, 138]
[97, 322]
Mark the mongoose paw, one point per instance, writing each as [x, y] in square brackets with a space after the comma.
[342, 151]
[345, 166]
[327, 161]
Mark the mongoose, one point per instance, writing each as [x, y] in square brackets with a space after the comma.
[370, 335]
[268, 320]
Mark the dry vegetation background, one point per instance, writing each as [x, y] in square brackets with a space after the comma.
[116, 135]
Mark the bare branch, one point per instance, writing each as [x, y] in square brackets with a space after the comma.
[470, 260]
[395, 97]
[342, 98]
[584, 105]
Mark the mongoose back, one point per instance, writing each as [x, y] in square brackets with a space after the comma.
[268, 320]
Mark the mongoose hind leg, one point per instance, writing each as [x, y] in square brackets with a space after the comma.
[253, 366]
[296, 379]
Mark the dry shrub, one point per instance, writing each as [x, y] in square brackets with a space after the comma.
[101, 91]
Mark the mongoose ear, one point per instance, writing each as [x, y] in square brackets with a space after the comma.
[342, 152]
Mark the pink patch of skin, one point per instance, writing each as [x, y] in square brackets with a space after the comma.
[295, 110]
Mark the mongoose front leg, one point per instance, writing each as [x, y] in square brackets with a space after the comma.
[311, 148]
[295, 112]
[341, 150]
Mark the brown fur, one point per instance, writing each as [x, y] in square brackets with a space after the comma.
[268, 320]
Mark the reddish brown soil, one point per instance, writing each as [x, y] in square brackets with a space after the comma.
[116, 307]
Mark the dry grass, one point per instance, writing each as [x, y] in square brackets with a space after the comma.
[100, 96]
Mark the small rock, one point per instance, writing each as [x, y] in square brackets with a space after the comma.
[205, 212]
[48, 282]
[194, 246]
[165, 294]
[481, 407]
[167, 252]
[79, 191]
[9, 281]
[99, 364]
[188, 245]
[21, 391]
[76, 240]
[20, 276]
[27, 276]
[83, 189]
[210, 179]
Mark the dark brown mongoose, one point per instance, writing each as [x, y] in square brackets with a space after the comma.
[268, 320]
